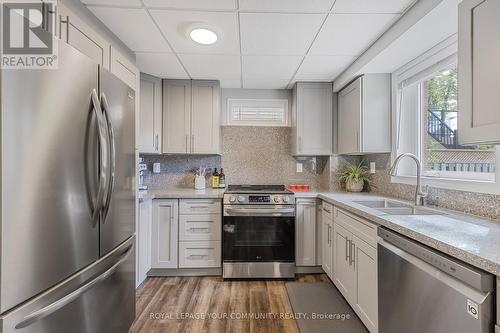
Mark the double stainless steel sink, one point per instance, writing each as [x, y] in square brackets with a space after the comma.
[393, 207]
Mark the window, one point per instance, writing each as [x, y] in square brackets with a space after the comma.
[257, 112]
[425, 116]
[442, 155]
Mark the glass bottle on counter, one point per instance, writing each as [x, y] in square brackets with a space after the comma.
[215, 179]
[222, 179]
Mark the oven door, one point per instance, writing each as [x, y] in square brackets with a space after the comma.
[259, 233]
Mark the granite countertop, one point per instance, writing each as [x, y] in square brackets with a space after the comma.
[471, 239]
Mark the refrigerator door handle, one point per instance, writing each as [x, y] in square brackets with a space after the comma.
[112, 154]
[53, 307]
[104, 158]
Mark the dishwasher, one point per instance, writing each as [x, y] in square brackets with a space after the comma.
[423, 291]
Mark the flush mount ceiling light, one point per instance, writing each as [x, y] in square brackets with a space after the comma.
[203, 36]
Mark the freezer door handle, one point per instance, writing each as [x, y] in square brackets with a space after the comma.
[53, 307]
[112, 155]
[104, 158]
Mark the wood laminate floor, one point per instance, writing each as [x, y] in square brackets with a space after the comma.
[169, 304]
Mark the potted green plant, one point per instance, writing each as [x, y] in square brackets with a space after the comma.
[353, 176]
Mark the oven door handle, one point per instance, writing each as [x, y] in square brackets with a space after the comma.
[259, 212]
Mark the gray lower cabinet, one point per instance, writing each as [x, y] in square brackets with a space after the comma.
[164, 242]
[305, 232]
[312, 119]
[355, 265]
[191, 117]
[327, 241]
[144, 240]
[150, 115]
[364, 115]
[478, 54]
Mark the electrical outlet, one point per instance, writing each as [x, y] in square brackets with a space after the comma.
[156, 167]
[300, 167]
[373, 167]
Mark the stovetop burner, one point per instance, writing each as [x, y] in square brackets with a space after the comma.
[257, 189]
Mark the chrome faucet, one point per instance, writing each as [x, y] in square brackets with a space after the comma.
[420, 195]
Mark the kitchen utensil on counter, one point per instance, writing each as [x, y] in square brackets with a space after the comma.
[200, 182]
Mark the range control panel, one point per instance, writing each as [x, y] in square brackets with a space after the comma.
[259, 199]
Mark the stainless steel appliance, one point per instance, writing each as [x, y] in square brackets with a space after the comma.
[421, 290]
[68, 199]
[258, 232]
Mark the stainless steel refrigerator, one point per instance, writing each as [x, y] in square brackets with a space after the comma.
[67, 199]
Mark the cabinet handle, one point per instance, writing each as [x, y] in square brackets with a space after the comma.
[194, 229]
[327, 210]
[156, 142]
[198, 256]
[346, 251]
[300, 144]
[198, 207]
[192, 142]
[329, 234]
[357, 141]
[353, 253]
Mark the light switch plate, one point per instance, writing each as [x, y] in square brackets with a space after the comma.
[300, 167]
[373, 167]
[156, 167]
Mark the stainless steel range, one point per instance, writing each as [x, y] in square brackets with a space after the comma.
[258, 232]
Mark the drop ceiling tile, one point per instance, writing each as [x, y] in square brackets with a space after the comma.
[370, 6]
[350, 34]
[175, 26]
[122, 3]
[211, 66]
[265, 84]
[192, 4]
[286, 5]
[271, 67]
[230, 83]
[278, 34]
[163, 65]
[134, 27]
[322, 68]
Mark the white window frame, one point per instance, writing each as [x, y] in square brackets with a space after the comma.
[281, 103]
[441, 55]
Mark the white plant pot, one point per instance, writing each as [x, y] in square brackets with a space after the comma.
[354, 186]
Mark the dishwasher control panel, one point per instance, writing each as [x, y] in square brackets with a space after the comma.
[462, 271]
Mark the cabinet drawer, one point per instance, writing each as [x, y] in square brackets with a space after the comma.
[327, 209]
[200, 227]
[200, 206]
[364, 229]
[199, 254]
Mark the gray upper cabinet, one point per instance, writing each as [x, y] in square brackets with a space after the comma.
[364, 115]
[312, 120]
[150, 114]
[478, 54]
[205, 117]
[176, 116]
[191, 117]
[78, 34]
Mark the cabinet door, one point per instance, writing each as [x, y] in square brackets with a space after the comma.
[305, 233]
[165, 229]
[343, 268]
[79, 35]
[144, 241]
[326, 255]
[366, 295]
[319, 235]
[478, 54]
[349, 118]
[150, 114]
[122, 68]
[205, 117]
[314, 119]
[176, 116]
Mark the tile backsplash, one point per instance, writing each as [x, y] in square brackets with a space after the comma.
[251, 155]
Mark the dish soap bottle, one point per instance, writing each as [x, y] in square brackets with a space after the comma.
[215, 179]
[222, 179]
